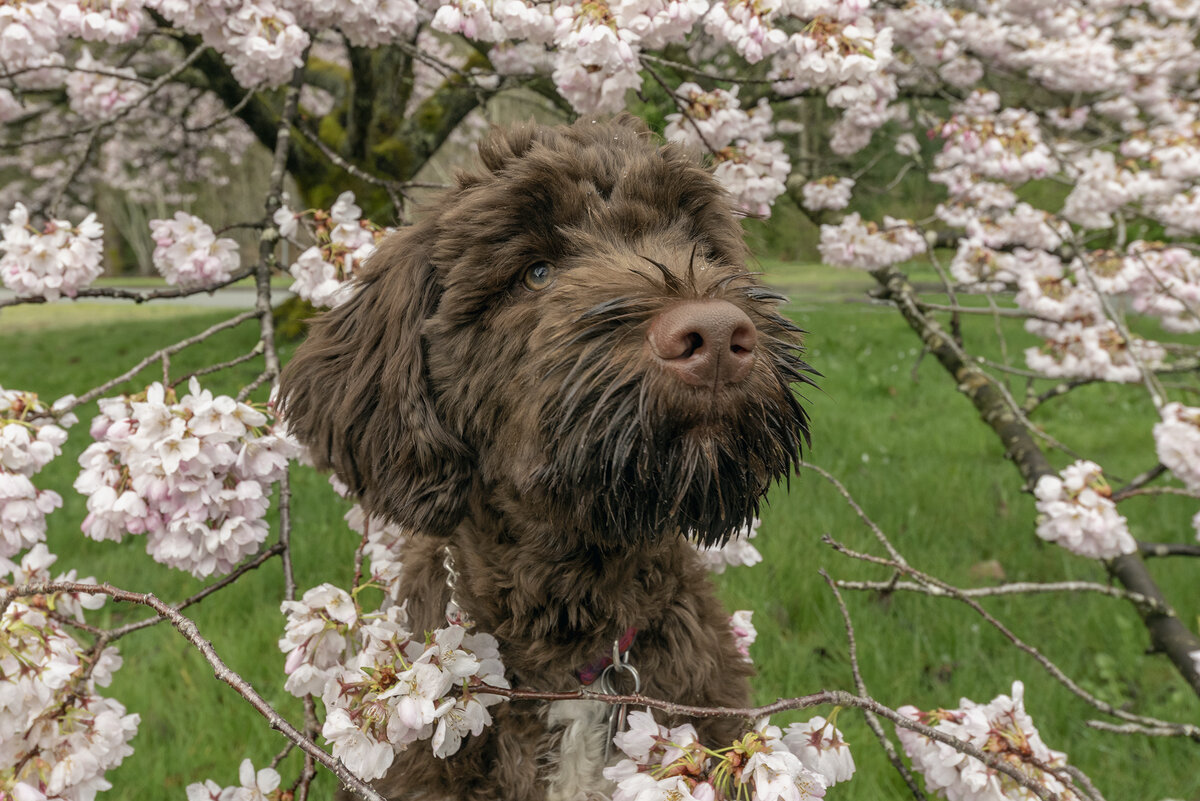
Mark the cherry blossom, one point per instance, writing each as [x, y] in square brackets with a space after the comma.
[31, 434]
[1002, 728]
[744, 633]
[96, 91]
[867, 246]
[1076, 511]
[315, 638]
[60, 735]
[672, 763]
[1177, 442]
[399, 689]
[192, 474]
[189, 254]
[323, 271]
[596, 61]
[254, 785]
[819, 745]
[113, 21]
[737, 550]
[829, 192]
[58, 260]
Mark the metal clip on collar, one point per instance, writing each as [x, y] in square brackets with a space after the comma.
[617, 712]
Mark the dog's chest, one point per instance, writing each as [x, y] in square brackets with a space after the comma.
[575, 757]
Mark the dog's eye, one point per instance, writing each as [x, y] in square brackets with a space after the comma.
[539, 275]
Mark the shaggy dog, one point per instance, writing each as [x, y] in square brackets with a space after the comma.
[560, 372]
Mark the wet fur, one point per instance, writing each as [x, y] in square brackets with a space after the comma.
[533, 433]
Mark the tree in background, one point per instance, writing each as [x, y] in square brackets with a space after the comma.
[1064, 146]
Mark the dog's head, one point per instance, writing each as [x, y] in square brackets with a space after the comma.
[569, 339]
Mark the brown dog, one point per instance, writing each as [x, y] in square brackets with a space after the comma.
[558, 372]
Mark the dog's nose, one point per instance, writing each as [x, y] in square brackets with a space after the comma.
[704, 343]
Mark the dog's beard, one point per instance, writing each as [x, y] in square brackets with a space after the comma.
[632, 455]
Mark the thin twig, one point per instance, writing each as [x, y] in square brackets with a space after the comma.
[92, 394]
[1187, 493]
[858, 510]
[999, 311]
[259, 380]
[1132, 728]
[200, 595]
[135, 296]
[1148, 549]
[255, 352]
[394, 189]
[285, 534]
[121, 113]
[1014, 588]
[1182, 729]
[861, 688]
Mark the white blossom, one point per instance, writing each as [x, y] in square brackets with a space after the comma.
[1076, 511]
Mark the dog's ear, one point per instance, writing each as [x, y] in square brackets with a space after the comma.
[357, 394]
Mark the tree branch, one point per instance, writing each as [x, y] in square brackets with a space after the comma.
[1167, 632]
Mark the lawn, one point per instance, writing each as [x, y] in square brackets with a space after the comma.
[902, 440]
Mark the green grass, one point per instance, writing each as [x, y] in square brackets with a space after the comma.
[912, 451]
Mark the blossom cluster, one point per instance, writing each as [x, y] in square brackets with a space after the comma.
[401, 688]
[763, 765]
[383, 687]
[60, 259]
[343, 241]
[189, 254]
[741, 625]
[254, 785]
[31, 434]
[1001, 728]
[96, 91]
[192, 474]
[1075, 510]
[737, 550]
[867, 246]
[58, 736]
[1177, 441]
[259, 39]
[830, 192]
[749, 165]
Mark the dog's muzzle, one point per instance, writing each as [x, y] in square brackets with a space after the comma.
[704, 343]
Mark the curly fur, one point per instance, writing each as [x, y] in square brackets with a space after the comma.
[534, 433]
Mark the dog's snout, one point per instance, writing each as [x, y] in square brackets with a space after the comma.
[704, 342]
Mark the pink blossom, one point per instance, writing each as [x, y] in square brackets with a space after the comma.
[1076, 511]
[58, 260]
[188, 253]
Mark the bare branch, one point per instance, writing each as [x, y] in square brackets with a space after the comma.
[121, 113]
[135, 296]
[858, 510]
[255, 352]
[1167, 632]
[1182, 729]
[200, 595]
[92, 394]
[1140, 480]
[1015, 588]
[394, 189]
[1148, 549]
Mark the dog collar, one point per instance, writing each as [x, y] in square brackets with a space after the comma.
[591, 671]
